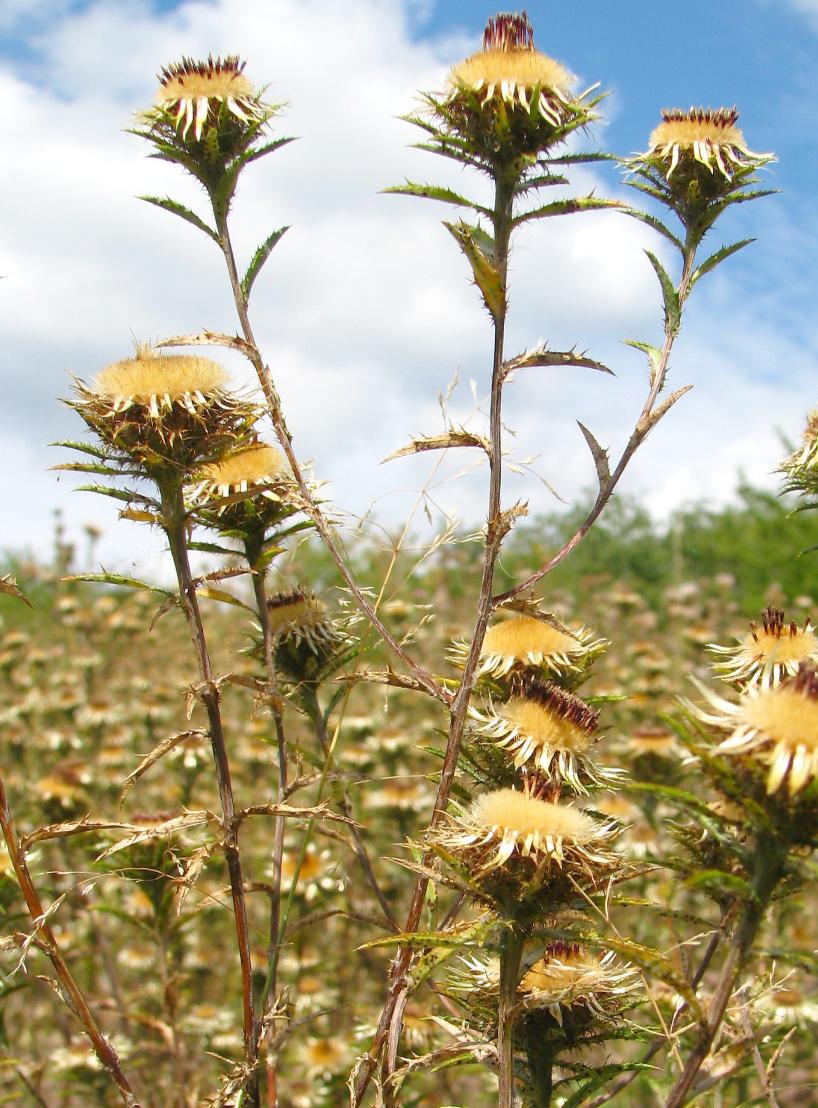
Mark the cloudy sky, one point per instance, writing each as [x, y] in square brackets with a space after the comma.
[365, 311]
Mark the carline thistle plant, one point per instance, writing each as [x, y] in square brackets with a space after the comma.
[532, 860]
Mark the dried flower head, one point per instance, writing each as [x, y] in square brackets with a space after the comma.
[776, 725]
[204, 93]
[568, 975]
[509, 68]
[164, 410]
[776, 648]
[525, 640]
[509, 822]
[548, 728]
[307, 640]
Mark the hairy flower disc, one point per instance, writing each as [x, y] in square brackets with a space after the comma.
[193, 89]
[524, 640]
[507, 821]
[246, 490]
[302, 615]
[509, 67]
[165, 410]
[776, 648]
[544, 725]
[707, 136]
[777, 724]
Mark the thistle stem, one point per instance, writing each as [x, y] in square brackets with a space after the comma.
[260, 593]
[174, 524]
[73, 993]
[502, 220]
[644, 425]
[511, 953]
[769, 863]
[311, 508]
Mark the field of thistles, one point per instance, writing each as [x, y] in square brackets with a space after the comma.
[524, 817]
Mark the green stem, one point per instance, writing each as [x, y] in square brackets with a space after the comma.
[511, 953]
[174, 523]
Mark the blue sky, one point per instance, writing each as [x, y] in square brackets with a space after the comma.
[364, 309]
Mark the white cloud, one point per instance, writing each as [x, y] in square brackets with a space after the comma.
[365, 310]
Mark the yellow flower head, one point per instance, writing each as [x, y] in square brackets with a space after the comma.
[776, 649]
[195, 91]
[776, 725]
[164, 409]
[248, 491]
[704, 136]
[307, 640]
[549, 728]
[525, 640]
[568, 975]
[510, 68]
[507, 823]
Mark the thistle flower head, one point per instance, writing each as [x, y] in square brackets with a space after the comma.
[509, 822]
[508, 103]
[202, 94]
[801, 467]
[568, 975]
[548, 728]
[776, 648]
[525, 640]
[509, 68]
[696, 158]
[164, 410]
[308, 642]
[248, 491]
[776, 725]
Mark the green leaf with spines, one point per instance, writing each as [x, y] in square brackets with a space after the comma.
[719, 884]
[435, 192]
[599, 1077]
[259, 258]
[717, 258]
[212, 548]
[486, 276]
[122, 581]
[653, 354]
[670, 297]
[93, 467]
[568, 207]
[84, 447]
[268, 148]
[656, 224]
[125, 495]
[175, 208]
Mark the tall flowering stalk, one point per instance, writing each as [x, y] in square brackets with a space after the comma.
[159, 417]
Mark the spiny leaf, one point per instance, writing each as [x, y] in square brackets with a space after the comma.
[9, 587]
[568, 207]
[600, 456]
[718, 883]
[541, 356]
[673, 310]
[486, 276]
[118, 579]
[653, 353]
[435, 192]
[83, 447]
[267, 148]
[652, 221]
[259, 258]
[452, 438]
[159, 831]
[151, 758]
[223, 597]
[715, 259]
[666, 405]
[175, 208]
[128, 496]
